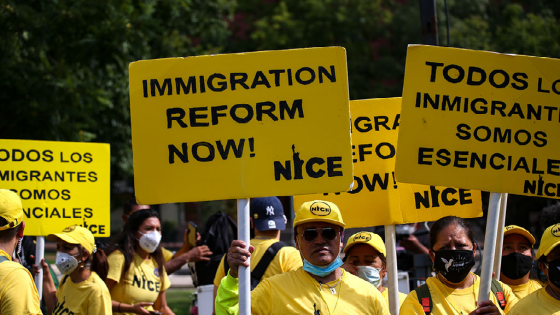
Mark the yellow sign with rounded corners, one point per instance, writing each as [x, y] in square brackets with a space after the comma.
[59, 183]
[481, 120]
[376, 197]
[240, 125]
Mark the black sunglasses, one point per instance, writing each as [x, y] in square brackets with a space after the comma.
[328, 234]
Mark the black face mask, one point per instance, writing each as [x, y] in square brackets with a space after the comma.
[454, 265]
[516, 265]
[554, 272]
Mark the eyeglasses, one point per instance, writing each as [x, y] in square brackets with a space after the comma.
[328, 234]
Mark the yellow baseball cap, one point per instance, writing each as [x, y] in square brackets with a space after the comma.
[76, 234]
[550, 239]
[11, 209]
[514, 229]
[318, 211]
[369, 238]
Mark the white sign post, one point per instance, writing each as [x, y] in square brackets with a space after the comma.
[39, 255]
[489, 246]
[393, 280]
[244, 272]
[500, 237]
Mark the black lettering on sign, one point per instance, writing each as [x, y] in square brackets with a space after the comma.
[312, 167]
[240, 113]
[218, 82]
[448, 197]
[206, 152]
[541, 188]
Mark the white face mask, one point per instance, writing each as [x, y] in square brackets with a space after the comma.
[370, 274]
[66, 263]
[149, 241]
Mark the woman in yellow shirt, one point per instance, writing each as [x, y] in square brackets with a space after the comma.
[366, 258]
[517, 261]
[137, 278]
[82, 289]
[545, 300]
[454, 289]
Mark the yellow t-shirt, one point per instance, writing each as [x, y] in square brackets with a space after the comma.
[142, 282]
[286, 259]
[87, 297]
[18, 294]
[167, 254]
[385, 294]
[537, 303]
[522, 290]
[296, 292]
[446, 300]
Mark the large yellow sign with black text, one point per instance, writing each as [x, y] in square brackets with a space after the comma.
[481, 120]
[240, 125]
[59, 183]
[376, 197]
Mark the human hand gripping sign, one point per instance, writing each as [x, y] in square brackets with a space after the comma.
[237, 256]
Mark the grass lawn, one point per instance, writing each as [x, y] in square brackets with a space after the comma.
[179, 300]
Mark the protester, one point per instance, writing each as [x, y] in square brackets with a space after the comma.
[320, 286]
[545, 300]
[137, 278]
[82, 289]
[517, 261]
[18, 294]
[267, 220]
[366, 257]
[454, 289]
[185, 254]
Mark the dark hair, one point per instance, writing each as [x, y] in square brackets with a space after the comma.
[129, 204]
[126, 242]
[540, 274]
[444, 222]
[550, 214]
[98, 260]
[9, 234]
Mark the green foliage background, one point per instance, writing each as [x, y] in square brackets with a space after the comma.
[64, 62]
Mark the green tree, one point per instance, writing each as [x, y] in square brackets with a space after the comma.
[64, 73]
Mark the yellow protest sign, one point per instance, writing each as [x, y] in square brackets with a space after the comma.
[376, 197]
[480, 120]
[240, 125]
[59, 183]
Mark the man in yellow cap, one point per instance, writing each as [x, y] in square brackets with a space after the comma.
[18, 294]
[545, 300]
[517, 261]
[366, 257]
[319, 287]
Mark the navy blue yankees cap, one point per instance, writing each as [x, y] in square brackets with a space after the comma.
[267, 214]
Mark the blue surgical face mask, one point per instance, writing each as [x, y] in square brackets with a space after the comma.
[322, 271]
[370, 274]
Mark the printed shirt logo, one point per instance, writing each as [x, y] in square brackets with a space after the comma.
[320, 208]
[270, 210]
[362, 237]
[256, 216]
[156, 272]
[556, 230]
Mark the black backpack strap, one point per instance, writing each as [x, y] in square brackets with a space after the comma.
[226, 265]
[424, 297]
[498, 291]
[3, 259]
[260, 268]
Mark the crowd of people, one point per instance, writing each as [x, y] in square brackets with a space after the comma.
[320, 275]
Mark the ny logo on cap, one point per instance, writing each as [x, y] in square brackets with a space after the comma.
[270, 210]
